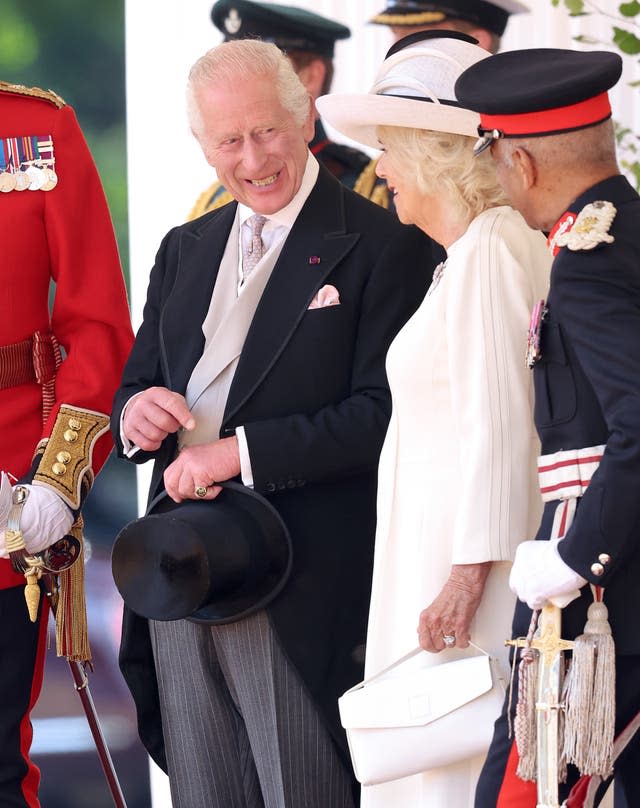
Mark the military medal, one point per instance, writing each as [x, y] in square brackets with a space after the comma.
[36, 178]
[27, 163]
[51, 179]
[7, 182]
[22, 180]
[533, 338]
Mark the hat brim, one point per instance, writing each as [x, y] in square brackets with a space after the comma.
[162, 562]
[357, 116]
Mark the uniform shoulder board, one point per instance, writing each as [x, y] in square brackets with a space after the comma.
[33, 92]
[590, 228]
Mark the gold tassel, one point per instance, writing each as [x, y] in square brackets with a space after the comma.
[590, 696]
[32, 594]
[72, 639]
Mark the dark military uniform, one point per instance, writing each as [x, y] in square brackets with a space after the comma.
[586, 375]
[587, 394]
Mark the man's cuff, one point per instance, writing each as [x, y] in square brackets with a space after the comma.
[128, 448]
[246, 471]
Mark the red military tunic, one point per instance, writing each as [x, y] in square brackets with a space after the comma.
[65, 236]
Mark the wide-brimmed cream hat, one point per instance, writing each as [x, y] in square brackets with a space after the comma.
[413, 88]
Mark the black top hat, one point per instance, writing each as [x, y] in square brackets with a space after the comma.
[539, 91]
[288, 27]
[208, 561]
[492, 15]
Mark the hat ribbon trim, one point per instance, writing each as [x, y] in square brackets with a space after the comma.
[547, 121]
[443, 101]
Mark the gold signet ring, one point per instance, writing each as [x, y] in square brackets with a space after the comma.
[201, 491]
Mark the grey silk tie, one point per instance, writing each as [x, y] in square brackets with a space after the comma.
[254, 249]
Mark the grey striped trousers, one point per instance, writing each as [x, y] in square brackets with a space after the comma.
[239, 727]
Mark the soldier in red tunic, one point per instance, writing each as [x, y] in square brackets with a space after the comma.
[59, 368]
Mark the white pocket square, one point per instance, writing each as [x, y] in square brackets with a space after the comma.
[327, 296]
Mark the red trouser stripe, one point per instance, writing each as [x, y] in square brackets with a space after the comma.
[514, 792]
[32, 778]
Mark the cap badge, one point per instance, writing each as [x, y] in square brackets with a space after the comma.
[233, 22]
[591, 227]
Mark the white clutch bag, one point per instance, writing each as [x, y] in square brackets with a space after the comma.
[408, 719]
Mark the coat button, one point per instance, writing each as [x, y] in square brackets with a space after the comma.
[58, 469]
[74, 423]
[70, 435]
[604, 558]
[597, 569]
[270, 487]
[281, 486]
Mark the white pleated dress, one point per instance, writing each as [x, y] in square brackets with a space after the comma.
[457, 479]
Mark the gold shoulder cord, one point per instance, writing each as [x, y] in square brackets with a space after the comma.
[33, 92]
[213, 198]
[367, 185]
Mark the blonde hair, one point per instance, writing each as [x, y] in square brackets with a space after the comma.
[443, 162]
[243, 58]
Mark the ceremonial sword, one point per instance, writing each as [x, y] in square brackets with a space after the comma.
[548, 704]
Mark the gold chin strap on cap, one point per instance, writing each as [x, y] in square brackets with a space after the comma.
[419, 18]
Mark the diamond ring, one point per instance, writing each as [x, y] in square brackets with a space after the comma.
[449, 639]
[201, 491]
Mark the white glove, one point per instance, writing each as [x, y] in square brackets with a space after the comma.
[539, 575]
[45, 518]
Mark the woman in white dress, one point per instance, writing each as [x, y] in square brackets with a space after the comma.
[457, 478]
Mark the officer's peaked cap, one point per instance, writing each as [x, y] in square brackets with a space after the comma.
[492, 15]
[288, 27]
[539, 91]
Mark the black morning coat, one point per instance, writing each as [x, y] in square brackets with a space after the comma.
[311, 391]
[587, 393]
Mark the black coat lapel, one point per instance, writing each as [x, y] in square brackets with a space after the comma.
[200, 253]
[317, 242]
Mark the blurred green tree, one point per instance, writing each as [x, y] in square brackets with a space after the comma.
[77, 49]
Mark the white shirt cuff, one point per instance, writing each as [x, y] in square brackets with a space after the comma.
[246, 471]
[128, 448]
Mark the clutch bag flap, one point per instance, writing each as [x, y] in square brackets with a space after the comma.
[418, 697]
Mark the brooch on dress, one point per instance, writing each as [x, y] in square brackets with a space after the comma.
[437, 275]
[533, 338]
[590, 228]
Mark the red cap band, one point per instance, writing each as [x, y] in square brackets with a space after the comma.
[560, 119]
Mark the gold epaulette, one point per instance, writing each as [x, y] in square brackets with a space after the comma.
[368, 185]
[33, 92]
[65, 464]
[214, 197]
